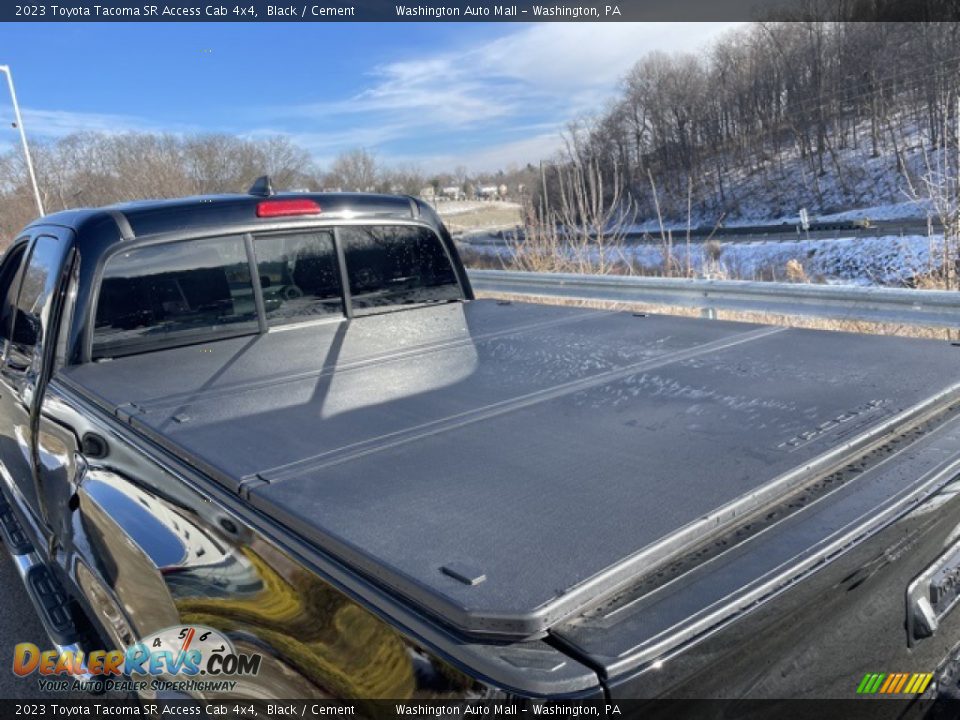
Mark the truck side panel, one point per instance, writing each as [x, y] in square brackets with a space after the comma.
[146, 549]
[820, 636]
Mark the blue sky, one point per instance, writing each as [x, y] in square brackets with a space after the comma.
[436, 95]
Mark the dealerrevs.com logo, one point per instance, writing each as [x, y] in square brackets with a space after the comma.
[187, 658]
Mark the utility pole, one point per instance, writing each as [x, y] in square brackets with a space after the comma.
[23, 139]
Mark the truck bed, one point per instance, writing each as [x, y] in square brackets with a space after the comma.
[504, 465]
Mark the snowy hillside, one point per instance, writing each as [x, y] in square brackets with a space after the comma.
[890, 260]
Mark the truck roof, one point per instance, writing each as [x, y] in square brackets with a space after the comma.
[196, 213]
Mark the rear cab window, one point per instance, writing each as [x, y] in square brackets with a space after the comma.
[392, 267]
[174, 294]
[299, 276]
[193, 291]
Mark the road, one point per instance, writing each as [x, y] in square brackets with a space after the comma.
[904, 226]
[769, 233]
[785, 233]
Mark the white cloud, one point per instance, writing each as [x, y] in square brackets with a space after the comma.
[565, 57]
[324, 145]
[60, 123]
[499, 156]
[552, 70]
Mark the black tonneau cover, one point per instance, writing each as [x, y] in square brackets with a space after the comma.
[502, 465]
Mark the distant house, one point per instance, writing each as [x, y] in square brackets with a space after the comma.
[488, 192]
[452, 192]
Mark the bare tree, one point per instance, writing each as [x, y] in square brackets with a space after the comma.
[939, 188]
[354, 170]
[785, 111]
[583, 230]
[90, 169]
[406, 179]
[288, 165]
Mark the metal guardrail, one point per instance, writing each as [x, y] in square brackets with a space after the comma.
[931, 308]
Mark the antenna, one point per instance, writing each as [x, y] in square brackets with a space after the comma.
[261, 186]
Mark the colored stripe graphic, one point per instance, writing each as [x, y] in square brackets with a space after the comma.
[894, 683]
[903, 681]
[890, 682]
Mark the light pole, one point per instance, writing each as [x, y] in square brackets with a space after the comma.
[23, 139]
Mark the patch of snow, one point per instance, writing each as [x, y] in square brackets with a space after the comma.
[891, 260]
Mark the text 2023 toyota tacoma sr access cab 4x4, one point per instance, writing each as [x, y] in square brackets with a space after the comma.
[283, 420]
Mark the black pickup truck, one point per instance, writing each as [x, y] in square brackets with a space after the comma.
[283, 419]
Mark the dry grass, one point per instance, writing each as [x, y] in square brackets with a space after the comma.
[798, 321]
[579, 228]
[795, 272]
[490, 216]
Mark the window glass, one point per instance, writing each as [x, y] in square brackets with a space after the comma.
[299, 276]
[33, 302]
[9, 287]
[174, 294]
[390, 267]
